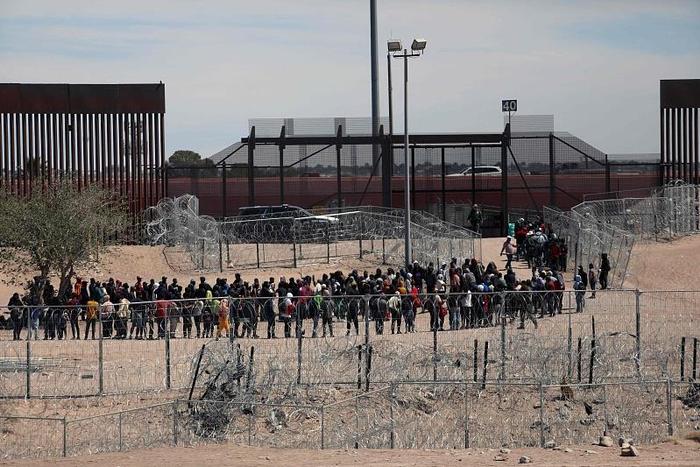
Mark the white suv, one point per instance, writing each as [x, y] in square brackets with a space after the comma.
[480, 171]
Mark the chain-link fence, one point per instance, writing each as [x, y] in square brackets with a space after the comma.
[292, 236]
[671, 211]
[522, 337]
[402, 415]
[588, 238]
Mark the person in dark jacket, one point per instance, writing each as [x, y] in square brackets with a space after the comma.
[584, 277]
[604, 270]
[15, 305]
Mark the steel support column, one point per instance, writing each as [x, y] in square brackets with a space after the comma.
[251, 167]
[552, 195]
[338, 172]
[281, 147]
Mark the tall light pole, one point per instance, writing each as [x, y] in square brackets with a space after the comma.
[374, 71]
[417, 48]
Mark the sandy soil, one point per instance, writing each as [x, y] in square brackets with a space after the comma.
[677, 453]
[128, 261]
[665, 265]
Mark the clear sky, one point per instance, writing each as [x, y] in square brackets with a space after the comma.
[595, 65]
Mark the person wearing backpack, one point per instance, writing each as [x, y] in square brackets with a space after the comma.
[592, 280]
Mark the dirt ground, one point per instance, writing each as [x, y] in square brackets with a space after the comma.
[675, 453]
[649, 267]
[664, 265]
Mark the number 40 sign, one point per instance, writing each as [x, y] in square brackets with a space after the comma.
[509, 105]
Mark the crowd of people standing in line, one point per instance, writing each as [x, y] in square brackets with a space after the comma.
[456, 296]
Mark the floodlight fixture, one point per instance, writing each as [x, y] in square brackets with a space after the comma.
[393, 45]
[418, 45]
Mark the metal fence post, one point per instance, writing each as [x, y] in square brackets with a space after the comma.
[638, 332]
[28, 389]
[435, 347]
[392, 398]
[569, 345]
[579, 355]
[100, 363]
[502, 373]
[362, 227]
[65, 437]
[486, 365]
[175, 423]
[323, 428]
[166, 325]
[466, 415]
[682, 357]
[541, 415]
[221, 257]
[669, 411]
[299, 325]
[368, 367]
[695, 359]
[593, 348]
[120, 431]
[359, 366]
[476, 359]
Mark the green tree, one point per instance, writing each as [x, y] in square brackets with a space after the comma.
[55, 231]
[186, 163]
[185, 157]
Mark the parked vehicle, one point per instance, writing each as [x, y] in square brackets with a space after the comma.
[479, 171]
[281, 223]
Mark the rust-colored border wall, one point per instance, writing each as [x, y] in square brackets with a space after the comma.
[111, 135]
[679, 103]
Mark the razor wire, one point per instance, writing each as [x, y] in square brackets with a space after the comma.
[282, 239]
[612, 226]
[671, 211]
[588, 238]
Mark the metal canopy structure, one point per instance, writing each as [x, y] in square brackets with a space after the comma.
[388, 144]
[327, 164]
